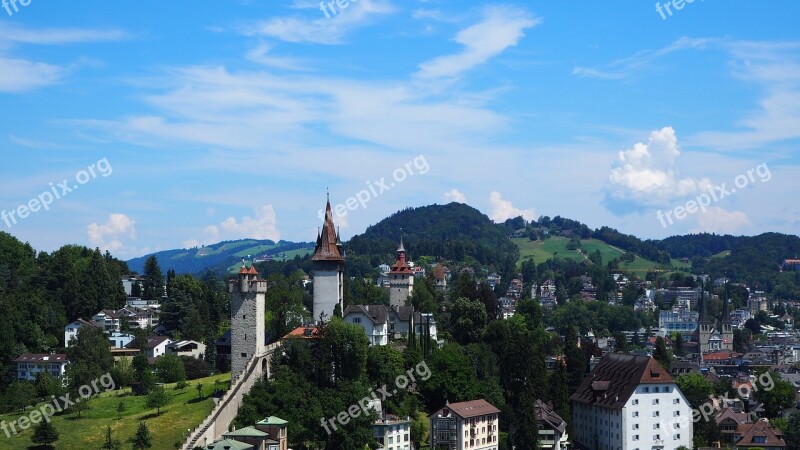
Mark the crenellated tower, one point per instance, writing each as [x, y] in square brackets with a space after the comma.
[248, 296]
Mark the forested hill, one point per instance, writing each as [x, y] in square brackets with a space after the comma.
[454, 232]
[219, 257]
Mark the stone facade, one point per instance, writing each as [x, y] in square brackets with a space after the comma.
[328, 266]
[248, 295]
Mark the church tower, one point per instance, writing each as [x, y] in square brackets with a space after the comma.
[727, 327]
[328, 270]
[703, 333]
[401, 278]
[248, 295]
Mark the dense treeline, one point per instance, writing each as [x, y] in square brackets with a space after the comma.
[40, 293]
[453, 232]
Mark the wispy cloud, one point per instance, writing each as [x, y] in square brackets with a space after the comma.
[20, 75]
[500, 28]
[632, 65]
[56, 36]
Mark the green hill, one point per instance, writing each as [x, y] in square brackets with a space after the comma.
[549, 248]
[222, 257]
[185, 411]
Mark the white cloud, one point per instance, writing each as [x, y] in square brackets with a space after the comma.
[108, 236]
[260, 55]
[262, 226]
[647, 174]
[323, 30]
[454, 195]
[19, 75]
[502, 210]
[719, 220]
[501, 27]
[56, 36]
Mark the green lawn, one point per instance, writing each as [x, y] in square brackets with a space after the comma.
[185, 411]
[722, 254]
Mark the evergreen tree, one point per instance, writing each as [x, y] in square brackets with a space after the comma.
[153, 280]
[661, 354]
[44, 434]
[141, 440]
[559, 391]
[576, 359]
[110, 443]
[157, 398]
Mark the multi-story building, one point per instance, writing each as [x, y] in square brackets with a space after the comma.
[630, 403]
[552, 428]
[71, 330]
[472, 425]
[31, 364]
[373, 319]
[393, 433]
[679, 320]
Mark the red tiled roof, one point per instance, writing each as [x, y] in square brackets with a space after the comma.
[304, 333]
[762, 428]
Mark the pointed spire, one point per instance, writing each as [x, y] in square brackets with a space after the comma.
[327, 248]
[726, 315]
[702, 306]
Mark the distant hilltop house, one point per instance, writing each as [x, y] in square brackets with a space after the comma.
[31, 364]
[791, 264]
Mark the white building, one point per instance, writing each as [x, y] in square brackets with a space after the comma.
[156, 346]
[71, 330]
[196, 350]
[373, 319]
[31, 364]
[630, 403]
[119, 339]
[393, 433]
[472, 425]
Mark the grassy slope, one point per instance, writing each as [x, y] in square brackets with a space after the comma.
[547, 249]
[184, 411]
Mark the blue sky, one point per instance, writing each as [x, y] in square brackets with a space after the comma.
[215, 121]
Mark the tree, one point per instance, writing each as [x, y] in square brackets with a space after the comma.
[661, 354]
[157, 398]
[47, 385]
[90, 357]
[170, 369]
[20, 394]
[792, 432]
[678, 345]
[120, 409]
[110, 443]
[153, 288]
[199, 387]
[44, 434]
[781, 396]
[144, 376]
[559, 393]
[467, 319]
[141, 440]
[696, 388]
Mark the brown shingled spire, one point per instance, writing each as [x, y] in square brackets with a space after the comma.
[326, 249]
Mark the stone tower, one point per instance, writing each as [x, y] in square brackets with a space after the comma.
[248, 295]
[328, 270]
[726, 326]
[401, 278]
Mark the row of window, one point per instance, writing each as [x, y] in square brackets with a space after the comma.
[657, 437]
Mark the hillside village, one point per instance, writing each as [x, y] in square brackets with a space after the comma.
[600, 359]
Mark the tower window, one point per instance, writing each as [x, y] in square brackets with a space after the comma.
[244, 316]
[244, 355]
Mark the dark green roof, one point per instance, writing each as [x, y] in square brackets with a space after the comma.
[272, 420]
[246, 432]
[229, 444]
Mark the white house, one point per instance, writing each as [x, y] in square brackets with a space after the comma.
[71, 330]
[372, 318]
[393, 433]
[107, 320]
[196, 350]
[156, 346]
[628, 403]
[30, 364]
[120, 340]
[472, 425]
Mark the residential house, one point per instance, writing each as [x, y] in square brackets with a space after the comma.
[71, 330]
[552, 428]
[156, 346]
[393, 433]
[400, 319]
[493, 279]
[472, 425]
[759, 435]
[119, 339]
[629, 402]
[107, 320]
[31, 364]
[196, 350]
[372, 318]
[440, 274]
[728, 421]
